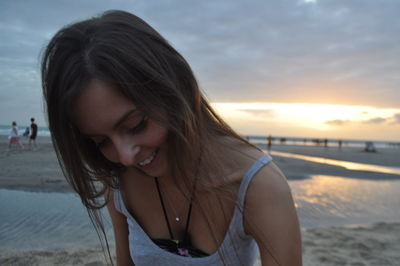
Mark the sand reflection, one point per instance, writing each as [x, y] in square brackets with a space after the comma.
[350, 200]
[345, 164]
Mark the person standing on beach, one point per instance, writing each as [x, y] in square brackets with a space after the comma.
[269, 143]
[133, 132]
[26, 132]
[14, 137]
[33, 135]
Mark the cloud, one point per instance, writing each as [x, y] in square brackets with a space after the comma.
[265, 51]
[395, 119]
[260, 113]
[338, 122]
[376, 120]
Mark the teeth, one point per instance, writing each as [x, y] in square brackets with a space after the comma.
[148, 160]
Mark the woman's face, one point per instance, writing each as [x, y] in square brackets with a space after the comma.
[122, 133]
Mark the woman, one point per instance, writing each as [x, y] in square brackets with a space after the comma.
[14, 137]
[133, 131]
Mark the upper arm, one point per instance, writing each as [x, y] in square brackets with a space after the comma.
[120, 233]
[270, 217]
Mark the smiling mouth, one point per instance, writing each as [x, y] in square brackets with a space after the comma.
[149, 159]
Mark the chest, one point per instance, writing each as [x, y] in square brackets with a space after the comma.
[210, 216]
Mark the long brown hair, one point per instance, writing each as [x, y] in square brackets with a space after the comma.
[124, 51]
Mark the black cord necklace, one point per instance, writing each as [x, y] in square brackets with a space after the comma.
[170, 205]
[183, 246]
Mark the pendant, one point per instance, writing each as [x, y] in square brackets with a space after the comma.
[184, 252]
[177, 219]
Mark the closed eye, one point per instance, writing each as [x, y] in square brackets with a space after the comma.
[139, 127]
[101, 143]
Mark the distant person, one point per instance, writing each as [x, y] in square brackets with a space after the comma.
[369, 147]
[26, 132]
[340, 143]
[326, 143]
[33, 135]
[316, 142]
[14, 138]
[269, 143]
[133, 131]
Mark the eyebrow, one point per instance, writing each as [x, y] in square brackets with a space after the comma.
[124, 117]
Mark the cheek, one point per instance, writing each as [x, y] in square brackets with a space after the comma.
[110, 154]
[157, 134]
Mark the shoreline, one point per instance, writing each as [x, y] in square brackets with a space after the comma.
[39, 171]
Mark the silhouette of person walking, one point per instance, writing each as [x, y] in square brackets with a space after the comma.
[14, 137]
[32, 137]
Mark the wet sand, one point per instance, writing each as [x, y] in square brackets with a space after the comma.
[87, 257]
[31, 170]
[298, 169]
[377, 244]
[39, 170]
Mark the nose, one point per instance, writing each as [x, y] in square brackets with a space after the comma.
[127, 154]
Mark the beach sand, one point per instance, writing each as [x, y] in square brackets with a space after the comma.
[88, 257]
[377, 244]
[31, 170]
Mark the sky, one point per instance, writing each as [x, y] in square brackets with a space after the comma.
[295, 68]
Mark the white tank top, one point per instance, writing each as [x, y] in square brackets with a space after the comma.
[237, 248]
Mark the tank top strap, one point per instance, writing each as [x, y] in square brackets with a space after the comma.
[119, 203]
[263, 160]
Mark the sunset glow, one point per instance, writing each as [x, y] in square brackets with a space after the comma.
[312, 120]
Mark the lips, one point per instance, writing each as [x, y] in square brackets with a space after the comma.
[148, 160]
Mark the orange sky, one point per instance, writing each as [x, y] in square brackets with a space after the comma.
[313, 120]
[298, 51]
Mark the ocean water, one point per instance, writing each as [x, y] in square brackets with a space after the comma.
[330, 142]
[31, 220]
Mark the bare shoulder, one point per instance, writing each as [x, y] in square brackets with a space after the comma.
[270, 217]
[268, 185]
[121, 232]
[269, 197]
